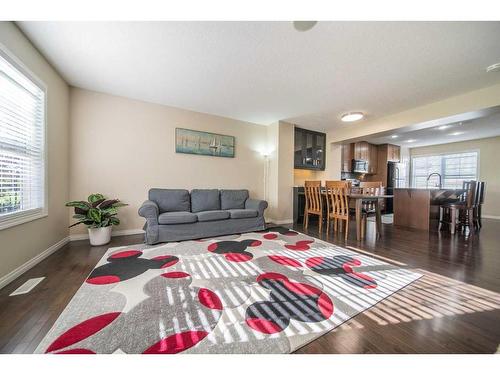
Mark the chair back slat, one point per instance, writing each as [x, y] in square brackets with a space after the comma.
[471, 193]
[337, 193]
[312, 191]
[371, 188]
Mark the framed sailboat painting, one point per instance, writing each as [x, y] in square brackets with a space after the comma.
[203, 143]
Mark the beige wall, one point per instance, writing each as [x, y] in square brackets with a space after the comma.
[489, 170]
[122, 147]
[23, 242]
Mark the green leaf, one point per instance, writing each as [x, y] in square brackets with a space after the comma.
[81, 211]
[94, 214]
[79, 217]
[80, 204]
[108, 203]
[95, 197]
[105, 223]
[114, 220]
[119, 204]
[109, 211]
[96, 203]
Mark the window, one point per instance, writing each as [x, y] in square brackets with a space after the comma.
[22, 144]
[454, 169]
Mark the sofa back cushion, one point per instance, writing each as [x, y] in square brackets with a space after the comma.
[205, 200]
[233, 199]
[171, 200]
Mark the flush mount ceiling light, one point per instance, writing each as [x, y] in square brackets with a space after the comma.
[410, 140]
[457, 133]
[352, 116]
[443, 127]
[304, 25]
[493, 68]
[394, 136]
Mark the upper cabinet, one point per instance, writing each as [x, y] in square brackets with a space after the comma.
[309, 149]
[372, 158]
[361, 151]
[393, 153]
[347, 156]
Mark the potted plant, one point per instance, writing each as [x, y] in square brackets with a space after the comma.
[99, 215]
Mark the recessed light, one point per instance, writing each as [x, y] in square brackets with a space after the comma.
[493, 68]
[410, 140]
[443, 127]
[457, 133]
[394, 136]
[352, 116]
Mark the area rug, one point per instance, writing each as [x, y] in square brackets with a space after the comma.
[263, 292]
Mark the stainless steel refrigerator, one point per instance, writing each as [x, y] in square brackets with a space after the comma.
[396, 178]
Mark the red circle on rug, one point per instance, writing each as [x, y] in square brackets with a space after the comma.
[237, 257]
[176, 343]
[209, 299]
[271, 276]
[175, 275]
[270, 236]
[125, 254]
[263, 325]
[325, 305]
[102, 280]
[285, 261]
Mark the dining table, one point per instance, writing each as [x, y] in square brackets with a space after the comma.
[359, 199]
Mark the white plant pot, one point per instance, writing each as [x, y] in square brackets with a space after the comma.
[100, 236]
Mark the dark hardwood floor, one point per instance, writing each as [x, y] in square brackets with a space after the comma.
[454, 308]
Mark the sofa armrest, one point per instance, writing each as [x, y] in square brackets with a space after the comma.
[256, 204]
[149, 210]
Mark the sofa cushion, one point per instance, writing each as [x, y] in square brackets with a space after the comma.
[242, 213]
[178, 217]
[205, 200]
[171, 200]
[233, 199]
[212, 215]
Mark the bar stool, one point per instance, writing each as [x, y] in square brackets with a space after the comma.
[461, 212]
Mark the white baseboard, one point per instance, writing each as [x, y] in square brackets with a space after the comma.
[11, 276]
[490, 217]
[279, 222]
[124, 232]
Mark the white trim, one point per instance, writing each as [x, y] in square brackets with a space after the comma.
[279, 222]
[11, 276]
[490, 217]
[124, 232]
[21, 217]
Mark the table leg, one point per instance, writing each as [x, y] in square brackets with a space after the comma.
[359, 205]
[379, 217]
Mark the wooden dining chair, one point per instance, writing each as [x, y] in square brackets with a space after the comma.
[462, 212]
[337, 202]
[314, 202]
[369, 208]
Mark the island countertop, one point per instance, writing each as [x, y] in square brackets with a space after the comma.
[419, 207]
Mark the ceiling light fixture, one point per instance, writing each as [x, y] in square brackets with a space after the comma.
[457, 133]
[493, 68]
[394, 136]
[304, 25]
[443, 127]
[410, 140]
[352, 116]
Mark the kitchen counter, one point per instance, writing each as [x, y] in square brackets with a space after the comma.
[419, 207]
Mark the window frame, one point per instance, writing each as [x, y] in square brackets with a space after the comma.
[22, 217]
[478, 164]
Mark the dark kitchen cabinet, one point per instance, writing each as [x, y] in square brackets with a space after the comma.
[309, 149]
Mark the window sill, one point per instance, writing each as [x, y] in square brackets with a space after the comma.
[18, 218]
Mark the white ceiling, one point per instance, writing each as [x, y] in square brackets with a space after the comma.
[267, 71]
[453, 132]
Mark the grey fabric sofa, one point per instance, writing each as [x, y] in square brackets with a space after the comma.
[176, 214]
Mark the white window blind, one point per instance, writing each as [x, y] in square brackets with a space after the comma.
[22, 154]
[454, 169]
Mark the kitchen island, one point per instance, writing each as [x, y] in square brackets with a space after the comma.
[419, 207]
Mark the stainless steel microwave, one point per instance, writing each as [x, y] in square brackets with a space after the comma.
[359, 166]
